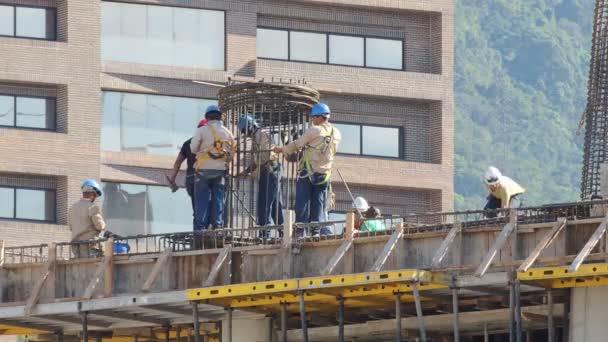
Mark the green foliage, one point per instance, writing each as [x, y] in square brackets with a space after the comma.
[520, 78]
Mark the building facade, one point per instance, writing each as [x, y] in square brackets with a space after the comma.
[103, 90]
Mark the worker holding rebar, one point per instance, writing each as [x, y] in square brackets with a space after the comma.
[503, 192]
[214, 147]
[266, 166]
[85, 220]
[185, 154]
[319, 144]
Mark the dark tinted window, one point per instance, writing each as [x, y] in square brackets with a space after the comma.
[27, 204]
[370, 140]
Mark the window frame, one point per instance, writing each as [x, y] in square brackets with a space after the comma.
[15, 126]
[15, 218]
[361, 154]
[327, 35]
[14, 6]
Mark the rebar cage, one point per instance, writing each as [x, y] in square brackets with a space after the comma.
[281, 110]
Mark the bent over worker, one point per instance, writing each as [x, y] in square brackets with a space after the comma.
[502, 191]
[214, 146]
[85, 220]
[268, 167]
[319, 143]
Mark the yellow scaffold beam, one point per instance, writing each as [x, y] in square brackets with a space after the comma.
[6, 329]
[587, 275]
[375, 289]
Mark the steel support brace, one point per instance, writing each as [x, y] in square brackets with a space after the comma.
[283, 322]
[511, 311]
[518, 328]
[303, 317]
[229, 328]
[85, 326]
[455, 313]
[197, 329]
[341, 319]
[486, 336]
[550, 322]
[419, 312]
[502, 238]
[178, 334]
[167, 333]
[398, 317]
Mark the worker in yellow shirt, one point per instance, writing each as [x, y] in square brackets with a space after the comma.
[502, 191]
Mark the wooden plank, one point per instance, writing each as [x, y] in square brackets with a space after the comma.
[162, 260]
[543, 244]
[50, 269]
[217, 266]
[99, 273]
[108, 279]
[337, 257]
[388, 249]
[498, 244]
[286, 245]
[593, 240]
[446, 243]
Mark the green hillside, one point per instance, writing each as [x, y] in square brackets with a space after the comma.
[521, 70]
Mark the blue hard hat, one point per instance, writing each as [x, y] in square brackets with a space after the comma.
[320, 109]
[246, 121]
[213, 108]
[91, 185]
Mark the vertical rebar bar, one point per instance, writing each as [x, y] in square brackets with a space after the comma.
[85, 327]
[518, 327]
[511, 312]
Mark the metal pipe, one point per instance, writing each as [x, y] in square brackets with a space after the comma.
[419, 312]
[550, 323]
[341, 319]
[455, 315]
[167, 332]
[85, 327]
[197, 330]
[229, 328]
[486, 336]
[283, 322]
[398, 317]
[303, 317]
[518, 328]
[178, 333]
[511, 312]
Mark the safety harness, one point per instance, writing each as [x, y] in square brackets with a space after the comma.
[326, 144]
[218, 151]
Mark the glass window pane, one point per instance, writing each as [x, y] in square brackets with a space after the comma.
[35, 204]
[35, 22]
[346, 50]
[32, 112]
[351, 138]
[272, 43]
[308, 47]
[172, 211]
[150, 124]
[7, 24]
[7, 202]
[384, 53]
[7, 111]
[163, 35]
[381, 141]
[338, 228]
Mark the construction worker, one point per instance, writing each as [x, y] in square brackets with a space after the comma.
[366, 214]
[268, 167]
[85, 220]
[185, 154]
[214, 146]
[502, 191]
[319, 144]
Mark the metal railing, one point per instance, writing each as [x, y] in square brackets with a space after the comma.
[26, 254]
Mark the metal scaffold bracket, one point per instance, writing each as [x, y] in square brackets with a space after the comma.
[543, 244]
[445, 244]
[498, 244]
[593, 240]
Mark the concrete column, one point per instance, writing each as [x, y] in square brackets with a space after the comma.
[588, 314]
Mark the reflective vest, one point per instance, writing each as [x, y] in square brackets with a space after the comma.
[328, 145]
[218, 151]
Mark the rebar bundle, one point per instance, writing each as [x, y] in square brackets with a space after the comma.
[281, 110]
[596, 112]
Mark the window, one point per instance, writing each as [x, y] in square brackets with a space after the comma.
[369, 140]
[152, 34]
[150, 124]
[27, 204]
[28, 112]
[330, 48]
[28, 22]
[134, 209]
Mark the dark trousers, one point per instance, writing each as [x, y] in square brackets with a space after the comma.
[310, 201]
[493, 204]
[209, 194]
[270, 208]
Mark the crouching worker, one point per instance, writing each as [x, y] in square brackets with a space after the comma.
[503, 192]
[214, 146]
[368, 217]
[85, 220]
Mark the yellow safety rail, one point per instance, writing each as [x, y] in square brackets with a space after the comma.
[559, 277]
[369, 290]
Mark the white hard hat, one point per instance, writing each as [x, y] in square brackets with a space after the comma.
[492, 176]
[361, 204]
